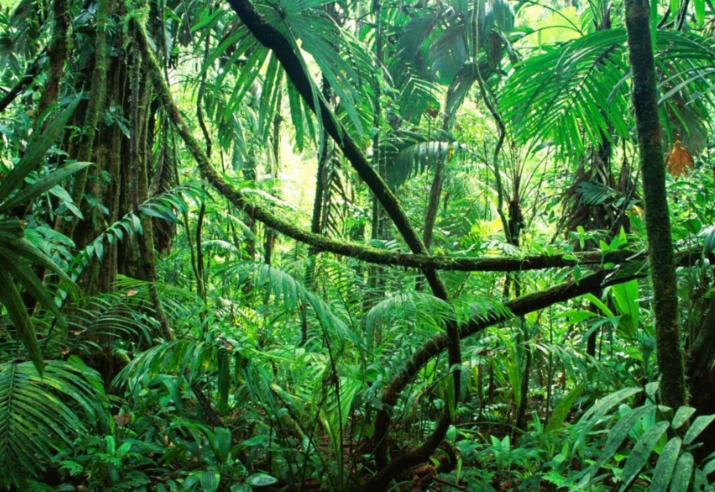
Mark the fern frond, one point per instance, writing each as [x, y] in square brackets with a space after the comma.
[40, 414]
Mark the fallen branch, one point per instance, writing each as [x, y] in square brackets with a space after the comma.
[449, 484]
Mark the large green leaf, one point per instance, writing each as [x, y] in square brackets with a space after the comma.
[43, 184]
[641, 452]
[683, 473]
[698, 425]
[619, 433]
[563, 408]
[666, 465]
[682, 415]
[36, 150]
[261, 480]
[210, 481]
[10, 297]
[626, 296]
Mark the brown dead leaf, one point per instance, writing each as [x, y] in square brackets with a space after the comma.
[679, 161]
[423, 470]
[432, 113]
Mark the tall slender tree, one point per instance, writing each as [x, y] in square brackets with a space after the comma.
[657, 216]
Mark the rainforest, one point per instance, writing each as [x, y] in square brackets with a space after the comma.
[357, 245]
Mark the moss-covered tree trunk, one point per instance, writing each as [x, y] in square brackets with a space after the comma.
[657, 218]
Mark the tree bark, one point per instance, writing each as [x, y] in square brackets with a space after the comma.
[657, 217]
[141, 88]
[112, 166]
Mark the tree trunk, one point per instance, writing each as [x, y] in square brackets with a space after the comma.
[376, 275]
[316, 221]
[377, 214]
[657, 217]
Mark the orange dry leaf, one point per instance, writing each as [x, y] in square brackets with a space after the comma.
[122, 419]
[679, 161]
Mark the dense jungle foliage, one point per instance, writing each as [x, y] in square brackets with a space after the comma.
[384, 245]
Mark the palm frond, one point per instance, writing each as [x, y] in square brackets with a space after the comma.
[108, 317]
[550, 96]
[576, 94]
[40, 414]
[187, 357]
[417, 95]
[413, 154]
[408, 310]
